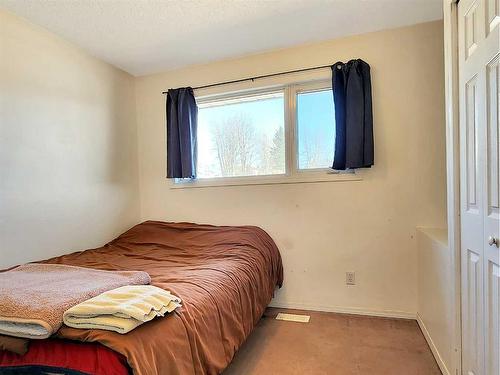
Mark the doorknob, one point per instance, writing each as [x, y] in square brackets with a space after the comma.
[492, 241]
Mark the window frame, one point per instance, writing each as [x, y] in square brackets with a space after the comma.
[293, 174]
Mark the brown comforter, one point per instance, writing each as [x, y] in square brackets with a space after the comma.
[225, 277]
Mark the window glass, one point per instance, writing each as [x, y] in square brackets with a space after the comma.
[242, 136]
[315, 129]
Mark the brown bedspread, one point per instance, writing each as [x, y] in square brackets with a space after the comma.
[225, 276]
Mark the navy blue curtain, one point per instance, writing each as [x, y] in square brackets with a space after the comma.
[182, 122]
[352, 95]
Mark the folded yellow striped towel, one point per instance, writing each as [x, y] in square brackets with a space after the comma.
[122, 309]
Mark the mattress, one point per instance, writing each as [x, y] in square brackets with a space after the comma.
[225, 276]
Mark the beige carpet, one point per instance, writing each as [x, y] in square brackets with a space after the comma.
[334, 344]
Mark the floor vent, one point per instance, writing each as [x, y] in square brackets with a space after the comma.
[293, 318]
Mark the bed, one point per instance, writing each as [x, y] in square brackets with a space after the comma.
[225, 276]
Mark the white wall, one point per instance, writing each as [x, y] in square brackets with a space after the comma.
[326, 229]
[68, 164]
[435, 300]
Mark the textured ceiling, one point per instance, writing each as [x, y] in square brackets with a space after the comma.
[147, 36]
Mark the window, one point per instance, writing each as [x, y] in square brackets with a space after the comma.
[242, 136]
[275, 135]
[315, 129]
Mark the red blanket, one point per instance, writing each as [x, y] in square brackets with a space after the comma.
[58, 356]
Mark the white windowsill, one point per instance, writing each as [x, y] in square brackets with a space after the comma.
[298, 178]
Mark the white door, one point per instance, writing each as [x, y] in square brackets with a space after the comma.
[492, 189]
[479, 72]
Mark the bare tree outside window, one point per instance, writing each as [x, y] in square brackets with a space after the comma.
[235, 143]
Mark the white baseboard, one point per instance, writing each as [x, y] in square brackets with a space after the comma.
[433, 347]
[345, 310]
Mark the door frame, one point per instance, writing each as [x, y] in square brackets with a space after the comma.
[450, 17]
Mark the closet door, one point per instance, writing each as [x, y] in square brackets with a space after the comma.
[479, 184]
[492, 189]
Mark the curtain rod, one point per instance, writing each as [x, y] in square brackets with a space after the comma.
[258, 77]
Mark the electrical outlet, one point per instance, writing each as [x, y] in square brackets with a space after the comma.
[350, 278]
